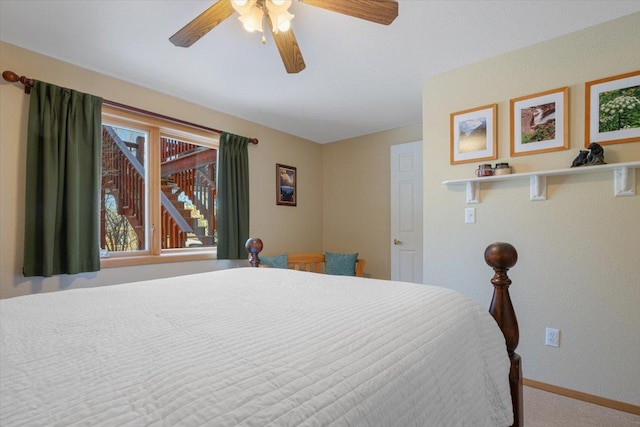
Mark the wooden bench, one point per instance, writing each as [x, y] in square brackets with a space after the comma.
[315, 263]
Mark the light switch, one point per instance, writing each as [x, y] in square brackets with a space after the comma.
[469, 215]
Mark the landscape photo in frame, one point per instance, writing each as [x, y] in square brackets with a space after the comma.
[473, 134]
[286, 185]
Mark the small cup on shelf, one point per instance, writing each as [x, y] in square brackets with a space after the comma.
[484, 170]
[502, 169]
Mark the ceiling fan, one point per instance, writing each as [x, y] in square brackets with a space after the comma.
[275, 12]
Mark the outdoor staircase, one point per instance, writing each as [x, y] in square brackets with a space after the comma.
[187, 189]
[195, 219]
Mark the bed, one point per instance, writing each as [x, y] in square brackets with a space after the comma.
[259, 347]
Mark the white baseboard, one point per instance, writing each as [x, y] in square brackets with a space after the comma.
[585, 397]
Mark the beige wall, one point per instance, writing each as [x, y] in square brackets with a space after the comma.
[281, 228]
[579, 266]
[356, 210]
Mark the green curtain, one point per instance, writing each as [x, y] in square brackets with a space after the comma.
[63, 182]
[233, 196]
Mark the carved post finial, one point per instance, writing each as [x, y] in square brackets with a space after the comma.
[254, 246]
[501, 257]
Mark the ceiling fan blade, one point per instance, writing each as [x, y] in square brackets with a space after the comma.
[378, 11]
[289, 49]
[202, 24]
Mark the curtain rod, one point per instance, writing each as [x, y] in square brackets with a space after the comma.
[28, 83]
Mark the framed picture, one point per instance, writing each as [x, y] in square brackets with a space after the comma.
[473, 134]
[286, 191]
[612, 109]
[540, 122]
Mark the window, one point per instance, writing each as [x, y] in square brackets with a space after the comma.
[158, 195]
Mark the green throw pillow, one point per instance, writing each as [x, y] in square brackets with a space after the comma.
[340, 264]
[276, 261]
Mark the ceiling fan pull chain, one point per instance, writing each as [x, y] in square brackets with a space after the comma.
[264, 25]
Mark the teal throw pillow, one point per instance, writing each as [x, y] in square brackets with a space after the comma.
[340, 264]
[276, 261]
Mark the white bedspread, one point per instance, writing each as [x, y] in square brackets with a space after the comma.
[252, 347]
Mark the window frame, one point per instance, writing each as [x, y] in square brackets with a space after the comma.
[157, 128]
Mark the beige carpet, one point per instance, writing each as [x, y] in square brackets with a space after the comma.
[543, 409]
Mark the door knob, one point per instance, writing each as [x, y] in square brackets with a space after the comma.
[396, 241]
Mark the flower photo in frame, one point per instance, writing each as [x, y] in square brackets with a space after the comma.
[612, 109]
[540, 122]
[473, 134]
[286, 185]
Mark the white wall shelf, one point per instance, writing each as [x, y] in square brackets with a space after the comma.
[624, 180]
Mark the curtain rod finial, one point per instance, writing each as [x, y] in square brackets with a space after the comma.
[12, 77]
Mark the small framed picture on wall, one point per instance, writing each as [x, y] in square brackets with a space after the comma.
[612, 110]
[540, 122]
[473, 134]
[286, 185]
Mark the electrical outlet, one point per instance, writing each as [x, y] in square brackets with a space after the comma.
[469, 215]
[552, 337]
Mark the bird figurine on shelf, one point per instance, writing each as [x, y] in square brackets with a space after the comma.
[596, 154]
[581, 160]
[593, 156]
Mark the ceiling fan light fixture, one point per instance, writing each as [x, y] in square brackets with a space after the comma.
[253, 12]
[284, 25]
[243, 6]
[278, 6]
[281, 21]
[279, 14]
[252, 20]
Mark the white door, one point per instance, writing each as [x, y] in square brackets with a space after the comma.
[406, 212]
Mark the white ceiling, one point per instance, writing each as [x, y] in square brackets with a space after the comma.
[360, 77]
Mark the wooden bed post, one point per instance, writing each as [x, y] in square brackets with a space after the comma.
[254, 246]
[501, 257]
